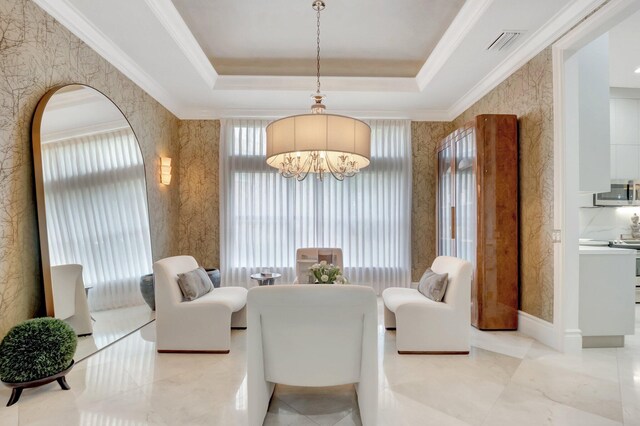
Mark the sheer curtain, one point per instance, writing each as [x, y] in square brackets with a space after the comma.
[265, 218]
[97, 216]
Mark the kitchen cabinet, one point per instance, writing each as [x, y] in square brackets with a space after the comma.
[588, 86]
[477, 214]
[625, 138]
[607, 296]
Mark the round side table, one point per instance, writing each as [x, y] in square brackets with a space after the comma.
[266, 279]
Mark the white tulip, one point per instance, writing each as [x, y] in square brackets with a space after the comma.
[324, 278]
[323, 263]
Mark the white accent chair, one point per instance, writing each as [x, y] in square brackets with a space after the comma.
[201, 325]
[305, 257]
[70, 299]
[320, 335]
[425, 326]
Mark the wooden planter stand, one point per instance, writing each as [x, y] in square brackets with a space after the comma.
[18, 387]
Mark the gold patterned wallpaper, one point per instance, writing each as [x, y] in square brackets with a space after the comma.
[199, 201]
[528, 93]
[37, 53]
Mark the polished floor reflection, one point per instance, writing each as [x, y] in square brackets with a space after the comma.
[111, 325]
[507, 379]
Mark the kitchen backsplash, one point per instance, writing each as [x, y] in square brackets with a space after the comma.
[606, 223]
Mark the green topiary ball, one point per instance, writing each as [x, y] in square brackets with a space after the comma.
[36, 349]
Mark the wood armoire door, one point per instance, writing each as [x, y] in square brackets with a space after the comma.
[445, 204]
[477, 214]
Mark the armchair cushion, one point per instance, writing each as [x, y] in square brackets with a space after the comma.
[233, 297]
[433, 285]
[194, 284]
[394, 297]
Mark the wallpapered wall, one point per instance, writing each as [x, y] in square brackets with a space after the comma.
[199, 188]
[37, 53]
[529, 94]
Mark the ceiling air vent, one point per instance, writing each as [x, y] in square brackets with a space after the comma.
[504, 40]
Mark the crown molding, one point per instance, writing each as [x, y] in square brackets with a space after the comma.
[65, 13]
[272, 114]
[471, 11]
[562, 22]
[330, 84]
[173, 23]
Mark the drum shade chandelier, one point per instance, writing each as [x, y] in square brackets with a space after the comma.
[318, 142]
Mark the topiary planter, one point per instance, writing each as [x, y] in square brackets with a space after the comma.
[20, 386]
[36, 352]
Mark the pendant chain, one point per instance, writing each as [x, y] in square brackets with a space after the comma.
[318, 48]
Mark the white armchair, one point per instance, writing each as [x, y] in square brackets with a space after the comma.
[201, 325]
[305, 257]
[70, 299]
[320, 335]
[425, 326]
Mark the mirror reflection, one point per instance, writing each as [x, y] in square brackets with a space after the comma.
[93, 215]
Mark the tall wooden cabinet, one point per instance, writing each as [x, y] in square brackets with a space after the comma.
[477, 214]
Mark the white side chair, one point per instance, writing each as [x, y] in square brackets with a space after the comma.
[305, 257]
[321, 335]
[70, 299]
[425, 326]
[201, 325]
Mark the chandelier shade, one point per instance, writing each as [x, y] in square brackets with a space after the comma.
[339, 144]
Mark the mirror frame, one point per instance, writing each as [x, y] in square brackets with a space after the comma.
[36, 144]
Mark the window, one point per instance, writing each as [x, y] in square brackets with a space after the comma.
[265, 217]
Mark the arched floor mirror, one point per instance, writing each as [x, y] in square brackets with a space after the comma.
[92, 214]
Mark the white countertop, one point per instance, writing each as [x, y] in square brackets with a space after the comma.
[606, 250]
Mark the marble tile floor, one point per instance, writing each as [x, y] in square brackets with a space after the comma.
[111, 325]
[508, 379]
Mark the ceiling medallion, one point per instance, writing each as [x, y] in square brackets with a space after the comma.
[318, 142]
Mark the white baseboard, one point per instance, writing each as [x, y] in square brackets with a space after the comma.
[539, 329]
[572, 341]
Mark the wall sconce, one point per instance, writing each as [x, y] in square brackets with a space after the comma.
[165, 170]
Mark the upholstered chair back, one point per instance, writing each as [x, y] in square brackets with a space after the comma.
[69, 298]
[64, 280]
[167, 291]
[320, 335]
[312, 335]
[458, 292]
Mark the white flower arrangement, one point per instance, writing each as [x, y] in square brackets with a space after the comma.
[324, 273]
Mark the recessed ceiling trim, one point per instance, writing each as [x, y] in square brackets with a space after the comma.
[271, 114]
[65, 13]
[329, 84]
[172, 21]
[562, 22]
[462, 24]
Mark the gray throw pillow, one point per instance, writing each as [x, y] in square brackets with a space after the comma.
[433, 285]
[194, 284]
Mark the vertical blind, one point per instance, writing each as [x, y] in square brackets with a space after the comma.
[97, 215]
[265, 217]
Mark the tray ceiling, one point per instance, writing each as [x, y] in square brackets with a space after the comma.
[358, 37]
[417, 59]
